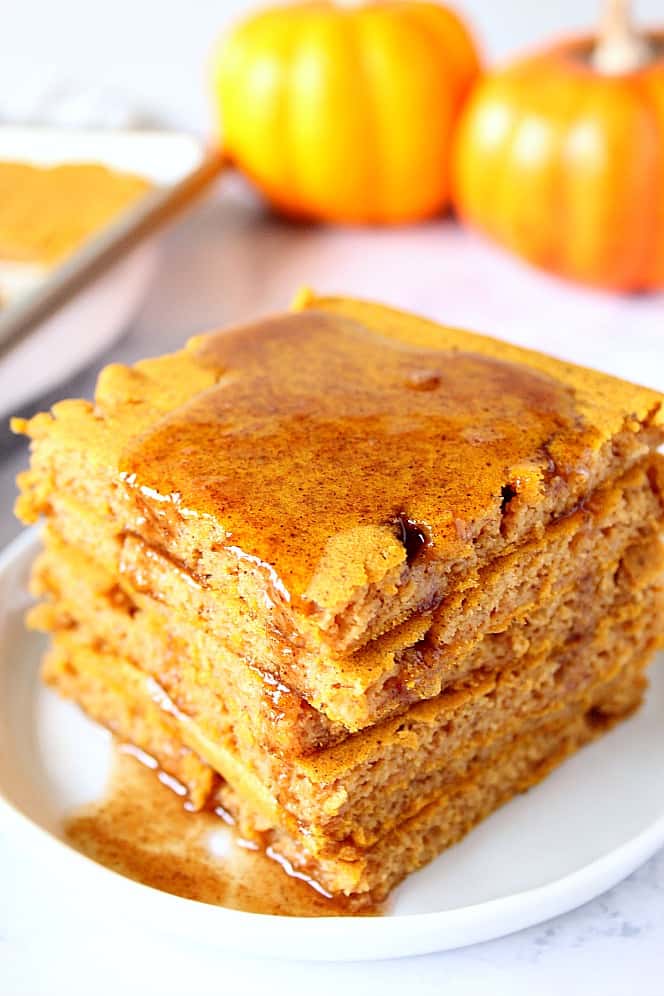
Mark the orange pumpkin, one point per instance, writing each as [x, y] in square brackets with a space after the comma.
[345, 113]
[560, 157]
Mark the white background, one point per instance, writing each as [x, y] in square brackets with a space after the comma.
[222, 263]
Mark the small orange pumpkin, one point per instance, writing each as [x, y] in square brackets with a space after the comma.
[560, 157]
[346, 113]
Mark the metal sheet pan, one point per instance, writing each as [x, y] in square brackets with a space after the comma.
[179, 167]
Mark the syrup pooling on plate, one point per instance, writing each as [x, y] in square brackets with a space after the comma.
[141, 829]
[317, 425]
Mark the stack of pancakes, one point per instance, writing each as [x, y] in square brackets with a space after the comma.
[355, 578]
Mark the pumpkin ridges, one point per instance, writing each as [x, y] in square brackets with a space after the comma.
[332, 151]
[498, 94]
[654, 263]
[377, 187]
[324, 186]
[384, 33]
[320, 135]
[509, 206]
[578, 184]
[415, 183]
[636, 176]
[369, 47]
[646, 185]
[257, 116]
[468, 180]
[603, 196]
[461, 53]
[533, 173]
[469, 65]
[462, 70]
[477, 177]
[558, 233]
[499, 178]
[595, 216]
[283, 151]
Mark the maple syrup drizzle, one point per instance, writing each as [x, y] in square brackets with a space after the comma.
[141, 829]
[317, 424]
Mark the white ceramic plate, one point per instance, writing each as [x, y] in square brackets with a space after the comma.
[591, 823]
[78, 332]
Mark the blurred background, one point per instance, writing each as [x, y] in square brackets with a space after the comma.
[229, 257]
[156, 51]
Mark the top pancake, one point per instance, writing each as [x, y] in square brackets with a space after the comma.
[344, 464]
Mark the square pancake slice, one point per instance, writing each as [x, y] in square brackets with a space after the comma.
[340, 468]
[352, 576]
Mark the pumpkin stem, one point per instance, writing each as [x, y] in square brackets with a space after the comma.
[620, 48]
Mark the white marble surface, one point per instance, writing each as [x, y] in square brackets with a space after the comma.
[613, 946]
[227, 261]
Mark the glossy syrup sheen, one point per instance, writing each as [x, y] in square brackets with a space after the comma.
[317, 424]
[141, 829]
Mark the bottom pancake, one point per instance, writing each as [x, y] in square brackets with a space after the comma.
[346, 797]
[117, 694]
